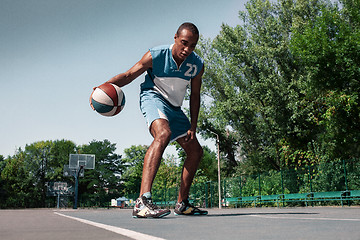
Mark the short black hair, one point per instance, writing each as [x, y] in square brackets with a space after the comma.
[189, 26]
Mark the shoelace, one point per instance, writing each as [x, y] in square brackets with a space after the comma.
[187, 204]
[150, 204]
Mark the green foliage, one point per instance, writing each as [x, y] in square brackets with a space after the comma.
[208, 164]
[60, 152]
[280, 91]
[328, 177]
[24, 175]
[2, 182]
[134, 158]
[19, 190]
[168, 176]
[271, 183]
[332, 176]
[101, 184]
[282, 88]
[327, 48]
[207, 169]
[167, 181]
[353, 174]
[249, 84]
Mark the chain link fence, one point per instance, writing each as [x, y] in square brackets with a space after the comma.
[335, 176]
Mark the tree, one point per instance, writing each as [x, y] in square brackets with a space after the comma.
[207, 169]
[167, 180]
[264, 83]
[208, 164]
[37, 159]
[60, 151]
[249, 85]
[24, 175]
[328, 50]
[134, 158]
[2, 183]
[100, 185]
[19, 190]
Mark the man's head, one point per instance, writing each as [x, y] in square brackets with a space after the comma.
[189, 26]
[186, 39]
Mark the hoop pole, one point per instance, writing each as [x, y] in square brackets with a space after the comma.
[76, 190]
[77, 173]
[58, 200]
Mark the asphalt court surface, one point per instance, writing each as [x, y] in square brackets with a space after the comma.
[242, 223]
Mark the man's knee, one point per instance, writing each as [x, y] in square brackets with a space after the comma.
[164, 136]
[160, 130]
[194, 150]
[200, 152]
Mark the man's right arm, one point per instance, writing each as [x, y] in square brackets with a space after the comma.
[127, 77]
[139, 68]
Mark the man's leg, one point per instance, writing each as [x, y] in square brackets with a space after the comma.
[194, 153]
[160, 130]
[144, 208]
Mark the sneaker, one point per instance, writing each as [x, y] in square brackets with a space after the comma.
[185, 208]
[145, 208]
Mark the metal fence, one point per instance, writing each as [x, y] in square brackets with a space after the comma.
[335, 176]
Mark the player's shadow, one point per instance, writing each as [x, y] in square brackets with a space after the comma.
[257, 214]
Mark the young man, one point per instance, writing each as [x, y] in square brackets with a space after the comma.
[170, 70]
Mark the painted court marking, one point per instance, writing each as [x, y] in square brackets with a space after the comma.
[121, 231]
[298, 218]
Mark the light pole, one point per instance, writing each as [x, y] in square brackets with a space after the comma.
[218, 160]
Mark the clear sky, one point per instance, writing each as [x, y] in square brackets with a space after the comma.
[53, 52]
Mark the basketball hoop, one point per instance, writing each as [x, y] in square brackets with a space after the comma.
[59, 189]
[76, 168]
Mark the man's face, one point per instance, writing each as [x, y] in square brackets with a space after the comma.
[184, 45]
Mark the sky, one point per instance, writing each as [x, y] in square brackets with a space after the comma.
[53, 52]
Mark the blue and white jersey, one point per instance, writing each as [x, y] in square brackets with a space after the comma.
[169, 79]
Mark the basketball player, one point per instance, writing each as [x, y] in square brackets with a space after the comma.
[170, 70]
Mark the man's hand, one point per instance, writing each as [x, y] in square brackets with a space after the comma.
[123, 79]
[91, 98]
[190, 135]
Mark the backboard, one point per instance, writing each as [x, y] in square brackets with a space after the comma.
[59, 188]
[70, 172]
[86, 161]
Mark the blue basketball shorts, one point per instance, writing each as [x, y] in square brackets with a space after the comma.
[154, 106]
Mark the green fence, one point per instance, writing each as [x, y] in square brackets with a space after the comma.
[271, 187]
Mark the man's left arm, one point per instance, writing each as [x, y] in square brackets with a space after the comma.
[194, 104]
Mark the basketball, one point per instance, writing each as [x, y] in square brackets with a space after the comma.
[108, 99]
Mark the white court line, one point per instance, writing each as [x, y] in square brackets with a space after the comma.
[322, 219]
[121, 231]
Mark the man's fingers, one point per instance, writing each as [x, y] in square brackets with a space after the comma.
[189, 136]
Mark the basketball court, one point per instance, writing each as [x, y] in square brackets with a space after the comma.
[108, 224]
[246, 223]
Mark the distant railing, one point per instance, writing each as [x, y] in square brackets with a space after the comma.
[288, 187]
